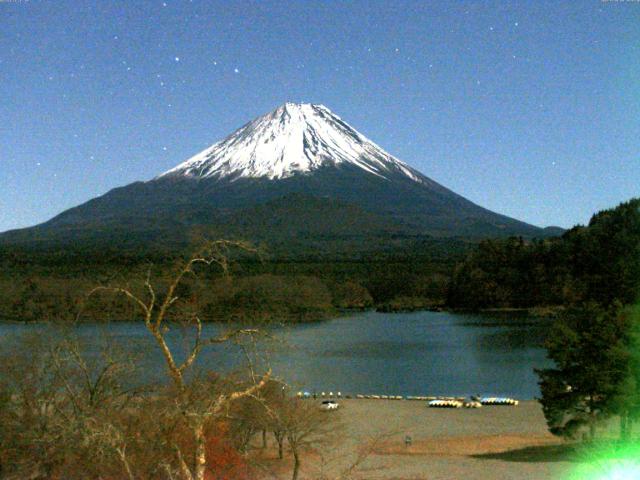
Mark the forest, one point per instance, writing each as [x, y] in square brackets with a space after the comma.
[598, 262]
[263, 285]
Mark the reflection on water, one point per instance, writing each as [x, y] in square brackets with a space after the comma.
[420, 353]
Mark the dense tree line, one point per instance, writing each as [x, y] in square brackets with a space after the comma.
[45, 286]
[599, 262]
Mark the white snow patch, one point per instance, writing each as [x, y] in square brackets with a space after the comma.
[294, 138]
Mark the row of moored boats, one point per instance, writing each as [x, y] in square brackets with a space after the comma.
[434, 402]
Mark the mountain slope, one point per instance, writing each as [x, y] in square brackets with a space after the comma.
[294, 138]
[299, 171]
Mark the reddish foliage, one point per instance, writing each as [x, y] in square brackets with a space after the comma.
[223, 460]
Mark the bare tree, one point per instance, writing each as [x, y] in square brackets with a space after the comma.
[28, 430]
[273, 406]
[300, 422]
[198, 408]
[305, 425]
[55, 399]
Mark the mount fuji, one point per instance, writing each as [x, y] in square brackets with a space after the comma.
[299, 173]
[293, 139]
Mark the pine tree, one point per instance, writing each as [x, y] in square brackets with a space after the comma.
[589, 348]
[628, 399]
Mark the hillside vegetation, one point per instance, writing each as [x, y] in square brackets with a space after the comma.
[296, 281]
[292, 286]
[599, 262]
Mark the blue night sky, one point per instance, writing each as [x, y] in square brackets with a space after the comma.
[531, 109]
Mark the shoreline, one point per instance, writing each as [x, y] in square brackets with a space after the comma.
[543, 312]
[474, 444]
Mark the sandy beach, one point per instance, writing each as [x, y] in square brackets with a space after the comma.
[471, 444]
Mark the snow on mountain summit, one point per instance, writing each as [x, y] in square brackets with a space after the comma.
[294, 138]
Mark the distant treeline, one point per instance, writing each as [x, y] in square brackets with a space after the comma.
[52, 285]
[599, 262]
[595, 263]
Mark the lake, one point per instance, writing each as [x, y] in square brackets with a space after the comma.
[419, 353]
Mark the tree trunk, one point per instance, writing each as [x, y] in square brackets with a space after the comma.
[264, 438]
[201, 454]
[125, 462]
[184, 469]
[246, 439]
[592, 421]
[296, 464]
[624, 426]
[280, 440]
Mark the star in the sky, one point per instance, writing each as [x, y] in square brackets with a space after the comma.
[235, 70]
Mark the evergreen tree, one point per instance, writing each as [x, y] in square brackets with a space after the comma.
[599, 263]
[589, 348]
[628, 400]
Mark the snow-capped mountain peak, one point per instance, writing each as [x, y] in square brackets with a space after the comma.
[295, 138]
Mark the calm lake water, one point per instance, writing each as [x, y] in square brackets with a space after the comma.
[420, 353]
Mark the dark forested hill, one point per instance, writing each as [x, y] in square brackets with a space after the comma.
[599, 262]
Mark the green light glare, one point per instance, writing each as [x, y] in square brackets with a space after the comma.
[625, 471]
[611, 463]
